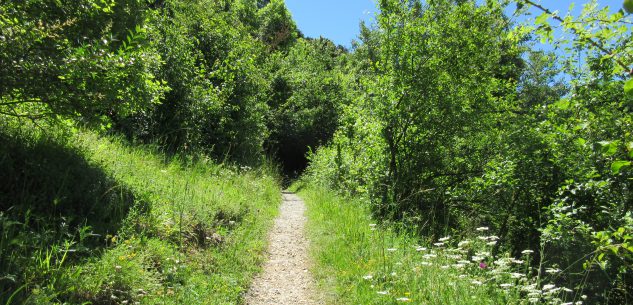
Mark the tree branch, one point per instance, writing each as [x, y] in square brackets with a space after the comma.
[577, 33]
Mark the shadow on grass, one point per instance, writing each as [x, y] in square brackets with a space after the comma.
[55, 208]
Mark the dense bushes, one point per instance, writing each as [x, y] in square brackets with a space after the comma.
[197, 76]
[83, 58]
[454, 127]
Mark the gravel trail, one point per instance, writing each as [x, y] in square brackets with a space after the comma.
[286, 278]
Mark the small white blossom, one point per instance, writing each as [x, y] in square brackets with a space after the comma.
[480, 229]
[476, 258]
[548, 287]
[368, 277]
[443, 239]
[527, 252]
[384, 292]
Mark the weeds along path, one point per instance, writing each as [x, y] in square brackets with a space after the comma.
[286, 278]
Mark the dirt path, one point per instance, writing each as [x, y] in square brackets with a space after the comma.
[286, 278]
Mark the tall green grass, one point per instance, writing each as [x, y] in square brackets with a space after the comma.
[125, 224]
[357, 261]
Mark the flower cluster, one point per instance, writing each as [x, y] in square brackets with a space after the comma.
[468, 264]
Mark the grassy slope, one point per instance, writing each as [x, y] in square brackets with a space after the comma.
[186, 232]
[363, 264]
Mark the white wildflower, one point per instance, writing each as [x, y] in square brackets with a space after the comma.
[368, 277]
[463, 243]
[480, 229]
[548, 287]
[476, 282]
[506, 285]
[438, 244]
[420, 249]
[476, 258]
[552, 270]
[403, 299]
[515, 275]
[443, 239]
[384, 292]
[391, 249]
[527, 252]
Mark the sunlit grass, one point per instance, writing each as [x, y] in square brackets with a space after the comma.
[204, 234]
[191, 231]
[360, 262]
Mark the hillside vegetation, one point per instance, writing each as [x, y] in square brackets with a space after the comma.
[138, 136]
[87, 218]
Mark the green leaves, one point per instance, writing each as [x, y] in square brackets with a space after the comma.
[542, 19]
[619, 165]
[628, 87]
[609, 148]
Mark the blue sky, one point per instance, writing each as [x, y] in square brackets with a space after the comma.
[338, 20]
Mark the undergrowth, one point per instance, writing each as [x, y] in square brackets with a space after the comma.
[88, 219]
[358, 261]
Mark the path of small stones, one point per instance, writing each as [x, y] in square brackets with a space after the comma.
[286, 278]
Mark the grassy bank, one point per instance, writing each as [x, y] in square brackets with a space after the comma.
[91, 219]
[360, 262]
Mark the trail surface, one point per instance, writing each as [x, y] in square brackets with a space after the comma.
[285, 278]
